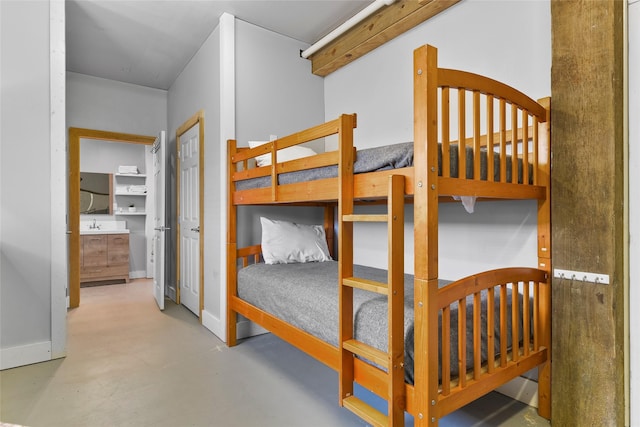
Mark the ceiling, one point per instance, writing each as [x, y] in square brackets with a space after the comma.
[149, 42]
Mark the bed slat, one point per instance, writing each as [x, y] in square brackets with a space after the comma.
[490, 139]
[525, 147]
[366, 285]
[503, 139]
[366, 218]
[477, 336]
[462, 342]
[366, 412]
[515, 335]
[526, 320]
[514, 145]
[446, 138]
[476, 135]
[491, 341]
[503, 325]
[368, 352]
[446, 351]
[462, 133]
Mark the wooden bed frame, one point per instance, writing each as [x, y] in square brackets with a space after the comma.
[434, 393]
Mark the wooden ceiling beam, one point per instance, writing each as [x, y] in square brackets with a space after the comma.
[374, 31]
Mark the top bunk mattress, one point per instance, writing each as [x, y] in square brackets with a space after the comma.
[305, 295]
[388, 157]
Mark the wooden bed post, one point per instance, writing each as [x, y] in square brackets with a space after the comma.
[231, 248]
[329, 224]
[345, 255]
[426, 235]
[544, 259]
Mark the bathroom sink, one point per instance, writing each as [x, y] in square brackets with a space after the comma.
[99, 231]
[92, 226]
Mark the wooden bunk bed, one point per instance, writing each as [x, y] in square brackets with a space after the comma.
[506, 137]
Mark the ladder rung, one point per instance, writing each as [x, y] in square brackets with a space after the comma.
[370, 353]
[367, 285]
[365, 218]
[365, 411]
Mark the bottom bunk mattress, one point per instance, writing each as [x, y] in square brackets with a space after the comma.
[305, 295]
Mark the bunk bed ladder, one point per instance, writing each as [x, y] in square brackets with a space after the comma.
[391, 361]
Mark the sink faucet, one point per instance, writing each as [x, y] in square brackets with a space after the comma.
[94, 225]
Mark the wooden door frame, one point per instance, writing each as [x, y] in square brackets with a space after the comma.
[75, 135]
[196, 119]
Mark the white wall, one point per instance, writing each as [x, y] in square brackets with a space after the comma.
[101, 104]
[32, 227]
[274, 94]
[485, 37]
[197, 88]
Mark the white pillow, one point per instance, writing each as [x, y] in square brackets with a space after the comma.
[284, 155]
[285, 242]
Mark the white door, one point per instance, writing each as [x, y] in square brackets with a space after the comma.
[189, 219]
[159, 223]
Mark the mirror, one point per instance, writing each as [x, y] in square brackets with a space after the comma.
[96, 193]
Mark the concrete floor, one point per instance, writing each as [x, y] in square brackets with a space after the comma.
[129, 364]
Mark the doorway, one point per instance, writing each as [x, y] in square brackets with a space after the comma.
[75, 135]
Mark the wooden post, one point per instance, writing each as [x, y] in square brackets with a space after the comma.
[425, 234]
[345, 254]
[543, 176]
[232, 215]
[587, 86]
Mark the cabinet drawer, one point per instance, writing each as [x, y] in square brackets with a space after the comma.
[92, 274]
[86, 272]
[118, 253]
[94, 246]
[95, 261]
[119, 270]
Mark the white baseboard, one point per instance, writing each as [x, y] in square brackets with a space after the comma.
[214, 324]
[171, 292]
[521, 389]
[245, 328]
[13, 357]
[139, 274]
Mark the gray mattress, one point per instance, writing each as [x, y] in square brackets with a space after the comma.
[387, 157]
[306, 296]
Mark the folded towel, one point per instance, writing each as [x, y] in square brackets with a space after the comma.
[137, 189]
[128, 169]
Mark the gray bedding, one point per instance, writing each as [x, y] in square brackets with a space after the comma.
[388, 157]
[305, 296]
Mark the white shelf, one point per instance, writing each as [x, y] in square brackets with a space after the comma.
[130, 213]
[131, 175]
[130, 194]
[124, 198]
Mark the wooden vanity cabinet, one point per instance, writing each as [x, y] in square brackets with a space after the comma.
[104, 257]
